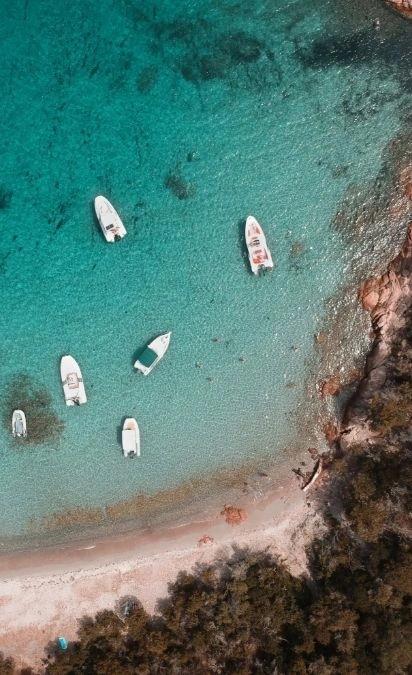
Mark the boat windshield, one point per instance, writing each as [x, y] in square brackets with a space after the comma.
[72, 381]
[148, 357]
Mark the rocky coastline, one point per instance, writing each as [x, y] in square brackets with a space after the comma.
[404, 7]
[387, 299]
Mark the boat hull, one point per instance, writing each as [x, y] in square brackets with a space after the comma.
[260, 257]
[19, 424]
[131, 438]
[72, 381]
[158, 347]
[109, 220]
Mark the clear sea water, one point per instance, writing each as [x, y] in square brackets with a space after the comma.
[188, 116]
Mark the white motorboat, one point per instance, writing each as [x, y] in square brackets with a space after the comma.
[19, 424]
[72, 380]
[131, 438]
[259, 255]
[154, 351]
[112, 227]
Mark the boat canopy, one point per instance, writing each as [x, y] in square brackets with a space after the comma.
[147, 357]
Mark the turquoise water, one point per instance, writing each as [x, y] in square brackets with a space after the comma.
[188, 116]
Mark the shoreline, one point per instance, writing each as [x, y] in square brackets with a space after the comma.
[85, 579]
[44, 592]
[329, 375]
[402, 7]
[96, 548]
[193, 501]
[386, 298]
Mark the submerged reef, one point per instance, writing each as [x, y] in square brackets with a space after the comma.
[43, 424]
[147, 510]
[201, 51]
[297, 255]
[228, 51]
[5, 197]
[178, 186]
[379, 50]
[147, 79]
[385, 202]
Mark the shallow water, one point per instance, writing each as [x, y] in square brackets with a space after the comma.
[188, 116]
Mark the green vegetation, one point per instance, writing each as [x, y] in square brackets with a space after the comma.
[351, 615]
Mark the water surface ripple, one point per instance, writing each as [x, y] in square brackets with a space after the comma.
[188, 116]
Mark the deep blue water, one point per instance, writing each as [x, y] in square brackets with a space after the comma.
[188, 116]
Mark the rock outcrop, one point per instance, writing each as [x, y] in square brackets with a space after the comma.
[233, 515]
[386, 298]
[205, 539]
[330, 387]
[404, 7]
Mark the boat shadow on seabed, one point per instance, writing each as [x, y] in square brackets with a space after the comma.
[241, 224]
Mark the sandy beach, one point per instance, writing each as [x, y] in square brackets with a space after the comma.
[43, 593]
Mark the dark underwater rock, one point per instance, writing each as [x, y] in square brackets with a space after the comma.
[181, 188]
[5, 197]
[43, 424]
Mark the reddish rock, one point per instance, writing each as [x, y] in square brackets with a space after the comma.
[408, 190]
[385, 297]
[334, 384]
[330, 387]
[354, 375]
[205, 540]
[233, 515]
[380, 295]
[404, 7]
[314, 453]
[369, 294]
[321, 337]
[331, 432]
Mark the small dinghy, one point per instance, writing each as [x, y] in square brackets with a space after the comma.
[112, 227]
[131, 438]
[19, 424]
[259, 254]
[72, 381]
[154, 351]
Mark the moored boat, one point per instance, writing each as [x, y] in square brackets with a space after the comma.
[154, 351]
[259, 254]
[131, 438]
[109, 220]
[72, 380]
[19, 424]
